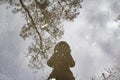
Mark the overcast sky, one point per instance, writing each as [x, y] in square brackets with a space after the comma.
[94, 38]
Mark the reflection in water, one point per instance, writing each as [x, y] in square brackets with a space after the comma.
[61, 61]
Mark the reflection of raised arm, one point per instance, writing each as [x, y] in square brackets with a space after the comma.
[72, 64]
[71, 61]
[50, 62]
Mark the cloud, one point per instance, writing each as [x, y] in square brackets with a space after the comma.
[93, 38]
[4, 77]
[12, 47]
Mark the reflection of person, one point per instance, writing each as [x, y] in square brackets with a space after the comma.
[61, 61]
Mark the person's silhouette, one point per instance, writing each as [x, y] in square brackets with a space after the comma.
[61, 61]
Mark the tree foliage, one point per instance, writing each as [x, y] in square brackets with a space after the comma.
[44, 24]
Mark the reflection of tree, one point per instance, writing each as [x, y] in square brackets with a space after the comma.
[44, 24]
[110, 74]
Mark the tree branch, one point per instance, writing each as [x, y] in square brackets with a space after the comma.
[34, 26]
[60, 5]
